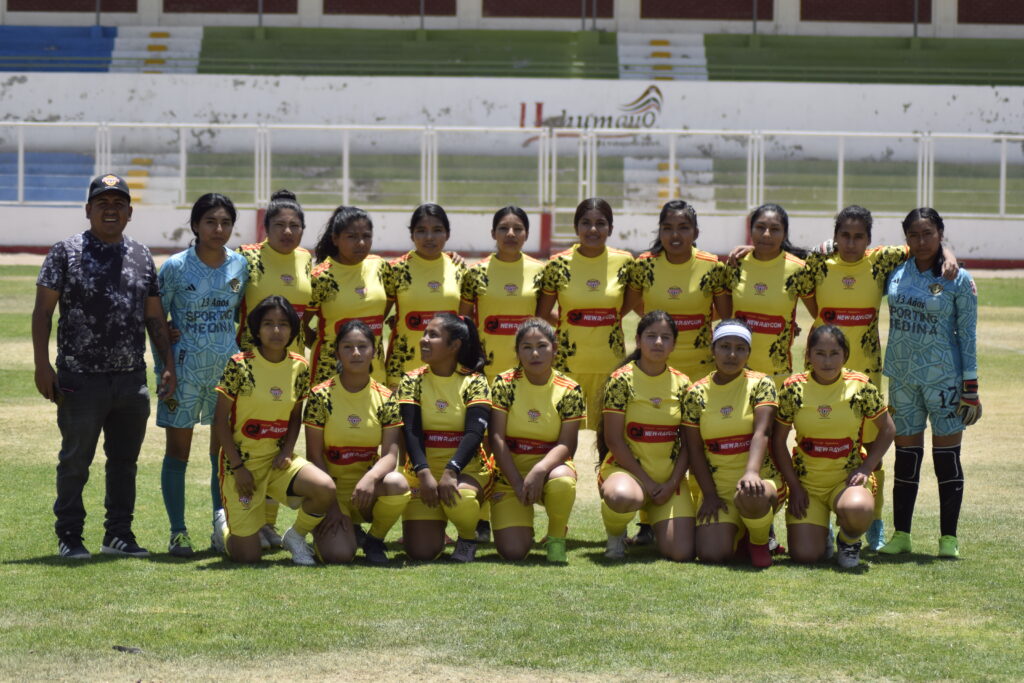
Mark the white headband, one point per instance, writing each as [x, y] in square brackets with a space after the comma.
[731, 330]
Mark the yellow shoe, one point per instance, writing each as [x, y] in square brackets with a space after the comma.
[898, 544]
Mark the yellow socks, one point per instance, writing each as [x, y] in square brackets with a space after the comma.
[846, 539]
[759, 528]
[615, 523]
[271, 507]
[464, 514]
[306, 522]
[643, 517]
[559, 497]
[386, 512]
[879, 494]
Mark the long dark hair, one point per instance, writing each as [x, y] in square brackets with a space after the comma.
[787, 246]
[260, 310]
[280, 200]
[592, 204]
[435, 210]
[674, 206]
[818, 332]
[926, 213]
[461, 327]
[854, 213]
[208, 202]
[510, 210]
[354, 325]
[342, 217]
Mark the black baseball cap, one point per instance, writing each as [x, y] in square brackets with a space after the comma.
[107, 183]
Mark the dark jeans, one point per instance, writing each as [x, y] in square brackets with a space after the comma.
[118, 405]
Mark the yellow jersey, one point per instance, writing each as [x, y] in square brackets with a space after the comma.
[505, 294]
[590, 292]
[535, 413]
[686, 292]
[353, 424]
[263, 394]
[286, 275]
[764, 295]
[652, 409]
[443, 402]
[421, 289]
[725, 415]
[829, 422]
[342, 293]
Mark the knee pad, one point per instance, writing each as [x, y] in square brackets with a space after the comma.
[947, 464]
[907, 468]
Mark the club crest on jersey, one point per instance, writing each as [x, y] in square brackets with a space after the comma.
[593, 284]
[533, 414]
[760, 288]
[354, 420]
[726, 411]
[361, 292]
[433, 285]
[511, 289]
[824, 410]
[674, 292]
[849, 282]
[289, 280]
[656, 401]
[235, 285]
[441, 405]
[277, 393]
[935, 288]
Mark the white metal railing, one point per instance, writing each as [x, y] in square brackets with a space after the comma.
[552, 147]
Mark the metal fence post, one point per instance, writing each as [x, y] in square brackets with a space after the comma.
[21, 164]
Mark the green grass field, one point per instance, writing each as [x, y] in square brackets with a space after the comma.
[913, 617]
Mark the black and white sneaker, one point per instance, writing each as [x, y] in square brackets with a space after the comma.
[122, 545]
[72, 548]
[848, 556]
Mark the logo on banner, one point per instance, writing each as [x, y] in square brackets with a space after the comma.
[641, 112]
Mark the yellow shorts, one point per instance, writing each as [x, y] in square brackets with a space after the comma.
[591, 384]
[679, 505]
[417, 510]
[821, 502]
[345, 483]
[245, 519]
[506, 510]
[730, 515]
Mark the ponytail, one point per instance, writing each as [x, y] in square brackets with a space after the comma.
[461, 327]
[342, 218]
[787, 246]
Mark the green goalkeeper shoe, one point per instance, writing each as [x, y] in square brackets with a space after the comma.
[948, 547]
[897, 545]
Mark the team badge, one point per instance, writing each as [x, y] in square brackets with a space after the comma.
[277, 393]
[110, 180]
[434, 285]
[935, 288]
[361, 292]
[441, 404]
[824, 410]
[656, 401]
[849, 282]
[511, 289]
[354, 420]
[172, 404]
[593, 284]
[289, 280]
[235, 285]
[533, 414]
[760, 288]
[726, 411]
[674, 292]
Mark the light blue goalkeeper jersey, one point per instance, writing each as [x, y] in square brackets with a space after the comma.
[933, 325]
[202, 302]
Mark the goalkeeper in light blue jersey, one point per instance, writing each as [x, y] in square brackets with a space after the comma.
[932, 365]
[201, 289]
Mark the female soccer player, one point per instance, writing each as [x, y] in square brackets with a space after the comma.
[200, 289]
[643, 459]
[829, 472]
[352, 433]
[535, 422]
[445, 407]
[727, 420]
[277, 265]
[764, 287]
[423, 283]
[932, 366]
[259, 414]
[348, 284]
[588, 283]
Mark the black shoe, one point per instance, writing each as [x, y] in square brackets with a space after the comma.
[644, 536]
[483, 531]
[72, 548]
[122, 545]
[374, 550]
[361, 536]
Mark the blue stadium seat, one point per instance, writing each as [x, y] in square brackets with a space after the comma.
[49, 176]
[56, 48]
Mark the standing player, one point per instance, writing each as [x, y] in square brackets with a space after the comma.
[423, 283]
[588, 283]
[445, 407]
[643, 460]
[200, 289]
[352, 433]
[106, 286]
[534, 425]
[259, 414]
[829, 472]
[348, 284]
[932, 365]
[727, 420]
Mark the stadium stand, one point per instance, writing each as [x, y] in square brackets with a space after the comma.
[56, 48]
[49, 176]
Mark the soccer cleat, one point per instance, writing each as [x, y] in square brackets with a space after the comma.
[465, 551]
[644, 536]
[483, 531]
[556, 551]
[774, 547]
[122, 545]
[374, 550]
[616, 547]
[899, 543]
[181, 545]
[876, 535]
[948, 546]
[269, 538]
[72, 548]
[760, 555]
[830, 543]
[360, 535]
[849, 554]
[296, 545]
